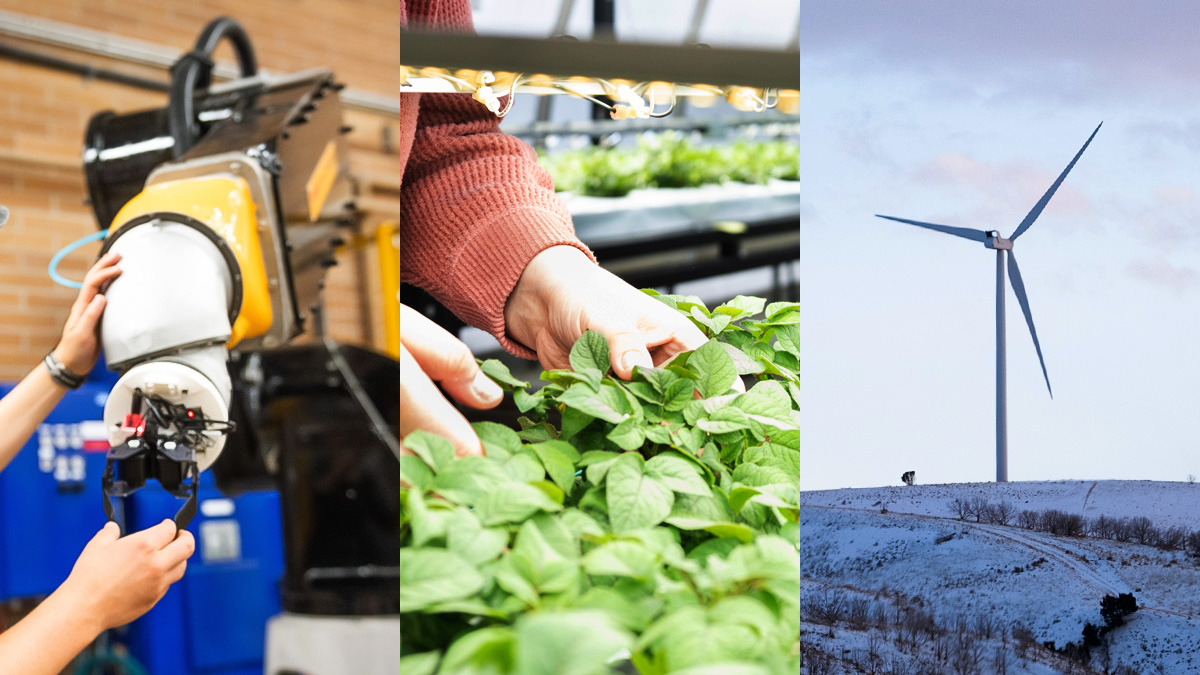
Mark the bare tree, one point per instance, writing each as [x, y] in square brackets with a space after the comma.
[961, 508]
[979, 507]
[858, 613]
[1000, 659]
[1142, 530]
[966, 654]
[1193, 543]
[1023, 639]
[1102, 527]
[1003, 512]
[1028, 519]
[1172, 538]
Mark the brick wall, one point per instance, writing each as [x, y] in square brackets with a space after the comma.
[43, 114]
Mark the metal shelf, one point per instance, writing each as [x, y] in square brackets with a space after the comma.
[605, 59]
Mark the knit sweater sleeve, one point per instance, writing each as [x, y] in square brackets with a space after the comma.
[475, 205]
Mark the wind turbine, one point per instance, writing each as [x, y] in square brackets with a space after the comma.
[993, 240]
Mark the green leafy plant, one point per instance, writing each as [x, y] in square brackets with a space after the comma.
[649, 526]
[670, 160]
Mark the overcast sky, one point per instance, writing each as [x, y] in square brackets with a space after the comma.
[963, 113]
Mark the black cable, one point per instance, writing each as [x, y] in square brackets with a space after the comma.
[34, 58]
[194, 71]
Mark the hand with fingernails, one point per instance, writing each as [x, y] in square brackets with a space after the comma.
[79, 347]
[428, 354]
[561, 294]
[115, 580]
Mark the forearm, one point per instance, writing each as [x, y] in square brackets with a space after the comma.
[45, 641]
[24, 409]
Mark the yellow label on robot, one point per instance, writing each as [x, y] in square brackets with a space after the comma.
[317, 187]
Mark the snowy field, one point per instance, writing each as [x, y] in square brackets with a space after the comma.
[921, 556]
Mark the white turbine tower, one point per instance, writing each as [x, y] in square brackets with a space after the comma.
[993, 240]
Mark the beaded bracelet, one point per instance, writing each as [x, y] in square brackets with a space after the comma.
[60, 374]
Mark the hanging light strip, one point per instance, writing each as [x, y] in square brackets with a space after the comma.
[763, 80]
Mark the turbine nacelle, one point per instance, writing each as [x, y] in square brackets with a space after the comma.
[995, 241]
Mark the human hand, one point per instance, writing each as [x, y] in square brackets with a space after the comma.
[80, 344]
[429, 353]
[561, 294]
[116, 580]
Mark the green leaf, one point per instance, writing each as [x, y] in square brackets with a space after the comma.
[524, 466]
[713, 507]
[777, 456]
[474, 543]
[794, 392]
[628, 435]
[677, 473]
[738, 497]
[608, 404]
[513, 503]
[714, 323]
[775, 369]
[501, 375]
[742, 363]
[590, 351]
[787, 338]
[551, 490]
[786, 361]
[467, 479]
[580, 524]
[535, 432]
[678, 394]
[634, 615]
[573, 421]
[656, 377]
[427, 525]
[526, 401]
[747, 304]
[598, 468]
[540, 564]
[434, 450]
[643, 390]
[724, 420]
[752, 474]
[727, 668]
[420, 664]
[776, 310]
[497, 437]
[635, 500]
[559, 458]
[483, 651]
[714, 368]
[742, 533]
[578, 642]
[414, 473]
[621, 559]
[434, 575]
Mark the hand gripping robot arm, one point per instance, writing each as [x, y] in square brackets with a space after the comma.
[225, 207]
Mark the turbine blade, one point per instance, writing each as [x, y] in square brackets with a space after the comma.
[1037, 208]
[1014, 274]
[964, 232]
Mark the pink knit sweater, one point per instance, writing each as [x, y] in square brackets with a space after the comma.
[475, 205]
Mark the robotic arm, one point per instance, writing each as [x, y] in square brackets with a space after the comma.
[224, 207]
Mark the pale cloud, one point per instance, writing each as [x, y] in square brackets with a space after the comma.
[1161, 272]
[1175, 195]
[1007, 187]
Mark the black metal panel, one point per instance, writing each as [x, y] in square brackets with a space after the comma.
[299, 425]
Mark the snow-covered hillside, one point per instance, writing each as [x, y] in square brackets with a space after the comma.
[918, 557]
